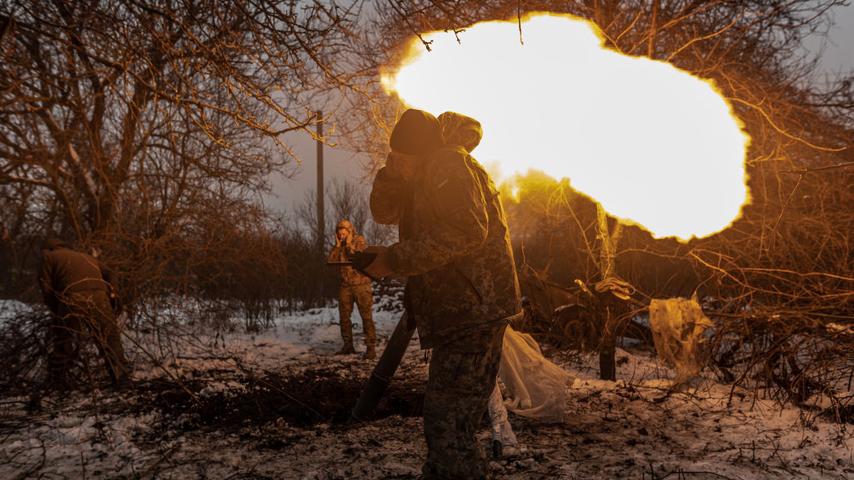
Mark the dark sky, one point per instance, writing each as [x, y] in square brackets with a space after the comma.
[837, 56]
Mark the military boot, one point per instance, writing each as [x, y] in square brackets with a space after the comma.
[346, 335]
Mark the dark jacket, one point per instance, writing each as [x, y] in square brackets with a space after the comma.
[65, 271]
[454, 242]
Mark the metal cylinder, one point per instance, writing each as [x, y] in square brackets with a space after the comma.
[380, 378]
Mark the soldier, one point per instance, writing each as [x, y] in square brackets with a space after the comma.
[79, 290]
[356, 287]
[462, 289]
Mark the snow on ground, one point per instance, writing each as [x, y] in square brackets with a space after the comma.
[267, 405]
[303, 335]
[74, 444]
[9, 309]
[295, 338]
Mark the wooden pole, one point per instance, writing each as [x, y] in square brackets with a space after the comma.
[321, 221]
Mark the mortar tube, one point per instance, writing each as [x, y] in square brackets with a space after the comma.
[380, 378]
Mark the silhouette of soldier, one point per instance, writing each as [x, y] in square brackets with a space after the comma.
[80, 292]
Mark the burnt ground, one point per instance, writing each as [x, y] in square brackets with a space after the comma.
[310, 397]
[615, 431]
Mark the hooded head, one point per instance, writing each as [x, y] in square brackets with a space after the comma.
[416, 133]
[345, 225]
[460, 130]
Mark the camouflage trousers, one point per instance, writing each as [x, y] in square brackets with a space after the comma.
[363, 297]
[85, 315]
[460, 382]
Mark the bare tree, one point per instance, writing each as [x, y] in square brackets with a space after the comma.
[123, 122]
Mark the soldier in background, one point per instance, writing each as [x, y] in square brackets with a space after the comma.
[462, 288]
[355, 287]
[80, 292]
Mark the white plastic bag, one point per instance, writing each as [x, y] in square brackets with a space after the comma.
[535, 387]
[677, 326]
[502, 431]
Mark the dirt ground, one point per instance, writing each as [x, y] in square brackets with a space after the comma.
[291, 423]
[275, 405]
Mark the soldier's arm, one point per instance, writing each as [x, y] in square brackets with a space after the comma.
[108, 276]
[113, 286]
[359, 244]
[387, 196]
[461, 220]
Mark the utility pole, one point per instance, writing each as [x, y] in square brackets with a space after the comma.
[321, 222]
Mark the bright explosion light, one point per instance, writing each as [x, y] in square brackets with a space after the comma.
[656, 146]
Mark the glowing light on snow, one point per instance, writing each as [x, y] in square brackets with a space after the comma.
[653, 144]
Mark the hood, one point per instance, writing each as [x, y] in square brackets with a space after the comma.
[345, 224]
[416, 133]
[460, 130]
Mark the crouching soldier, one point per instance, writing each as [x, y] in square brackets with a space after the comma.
[78, 289]
[355, 287]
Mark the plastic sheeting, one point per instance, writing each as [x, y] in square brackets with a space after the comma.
[677, 326]
[535, 387]
[502, 431]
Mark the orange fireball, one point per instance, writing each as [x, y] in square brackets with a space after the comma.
[655, 145]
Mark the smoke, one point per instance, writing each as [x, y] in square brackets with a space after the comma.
[653, 144]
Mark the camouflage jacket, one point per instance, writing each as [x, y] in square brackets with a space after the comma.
[454, 246]
[349, 275]
[65, 271]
